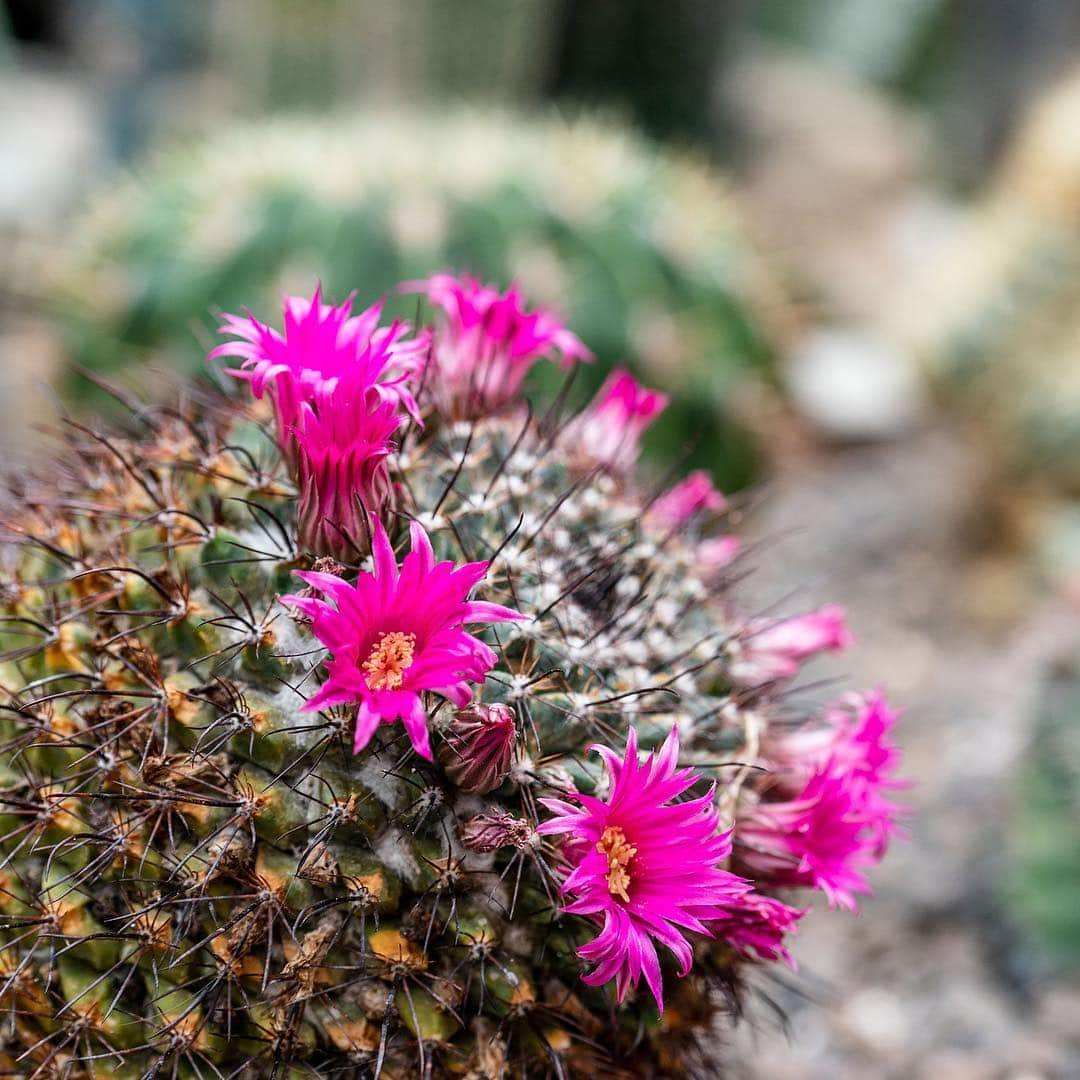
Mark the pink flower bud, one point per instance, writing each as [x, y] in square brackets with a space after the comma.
[342, 472]
[676, 506]
[609, 431]
[477, 747]
[716, 553]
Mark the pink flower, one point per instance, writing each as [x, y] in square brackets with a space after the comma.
[609, 430]
[324, 352]
[488, 342]
[756, 925]
[645, 867]
[686, 499]
[716, 553]
[821, 839]
[341, 470]
[776, 650]
[395, 634]
[854, 741]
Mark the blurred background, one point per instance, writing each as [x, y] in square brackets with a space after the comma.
[845, 235]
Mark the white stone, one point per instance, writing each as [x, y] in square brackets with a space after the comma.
[851, 384]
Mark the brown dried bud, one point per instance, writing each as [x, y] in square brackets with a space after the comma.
[496, 828]
[322, 565]
[477, 747]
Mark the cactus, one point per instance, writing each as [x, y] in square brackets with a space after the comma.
[1043, 841]
[642, 250]
[319, 801]
[1002, 328]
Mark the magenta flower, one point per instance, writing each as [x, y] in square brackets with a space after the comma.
[854, 740]
[325, 352]
[688, 498]
[645, 867]
[396, 634]
[777, 650]
[609, 430]
[488, 342]
[820, 839]
[756, 926]
[342, 470]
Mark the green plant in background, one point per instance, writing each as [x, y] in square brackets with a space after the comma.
[1003, 330]
[642, 251]
[1045, 844]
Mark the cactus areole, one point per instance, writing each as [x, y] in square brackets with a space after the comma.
[371, 721]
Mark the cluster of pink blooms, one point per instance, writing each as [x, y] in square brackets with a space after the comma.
[646, 863]
[827, 815]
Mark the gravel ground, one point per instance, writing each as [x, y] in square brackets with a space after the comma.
[931, 980]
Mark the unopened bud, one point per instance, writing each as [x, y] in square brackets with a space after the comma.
[477, 747]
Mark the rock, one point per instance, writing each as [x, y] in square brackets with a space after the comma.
[852, 385]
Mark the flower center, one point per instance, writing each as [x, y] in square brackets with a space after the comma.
[619, 852]
[390, 657]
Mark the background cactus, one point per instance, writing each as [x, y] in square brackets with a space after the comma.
[1044, 837]
[1003, 326]
[642, 250]
[200, 878]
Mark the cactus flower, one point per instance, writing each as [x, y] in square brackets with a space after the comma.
[644, 866]
[324, 352]
[487, 342]
[854, 739]
[609, 431]
[397, 633]
[717, 552]
[686, 499]
[757, 925]
[820, 839]
[776, 650]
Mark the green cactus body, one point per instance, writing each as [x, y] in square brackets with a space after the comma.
[201, 879]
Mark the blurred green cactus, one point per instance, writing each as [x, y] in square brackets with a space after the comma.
[1045, 878]
[642, 251]
[1003, 312]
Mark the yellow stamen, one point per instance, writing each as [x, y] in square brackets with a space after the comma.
[390, 657]
[619, 852]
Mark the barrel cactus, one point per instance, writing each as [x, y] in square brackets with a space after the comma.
[1003, 327]
[369, 720]
[644, 250]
